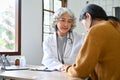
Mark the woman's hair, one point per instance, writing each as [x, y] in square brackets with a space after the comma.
[115, 22]
[59, 13]
[95, 11]
[113, 18]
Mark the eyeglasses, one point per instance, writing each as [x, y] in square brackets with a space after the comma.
[64, 20]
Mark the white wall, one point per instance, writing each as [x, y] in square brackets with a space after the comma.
[77, 5]
[31, 31]
[107, 5]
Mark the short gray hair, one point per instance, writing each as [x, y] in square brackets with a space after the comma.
[59, 13]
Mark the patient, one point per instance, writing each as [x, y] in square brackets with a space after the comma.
[99, 56]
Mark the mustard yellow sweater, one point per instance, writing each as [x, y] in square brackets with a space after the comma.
[99, 56]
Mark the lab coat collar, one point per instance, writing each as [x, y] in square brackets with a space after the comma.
[68, 44]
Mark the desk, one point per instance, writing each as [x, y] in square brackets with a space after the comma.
[35, 75]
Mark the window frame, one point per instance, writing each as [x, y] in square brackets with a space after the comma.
[64, 4]
[17, 30]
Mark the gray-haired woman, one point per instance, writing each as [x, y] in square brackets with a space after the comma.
[62, 47]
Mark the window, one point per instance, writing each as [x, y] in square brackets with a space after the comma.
[10, 27]
[49, 6]
[116, 12]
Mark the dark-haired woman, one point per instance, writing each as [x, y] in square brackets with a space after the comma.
[99, 56]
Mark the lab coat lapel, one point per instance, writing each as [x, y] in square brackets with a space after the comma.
[68, 45]
[55, 44]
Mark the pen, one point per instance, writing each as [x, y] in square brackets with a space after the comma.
[45, 70]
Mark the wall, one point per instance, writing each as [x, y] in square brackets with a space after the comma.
[31, 32]
[107, 5]
[32, 24]
[77, 5]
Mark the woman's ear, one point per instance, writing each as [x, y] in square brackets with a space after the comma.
[88, 20]
[88, 16]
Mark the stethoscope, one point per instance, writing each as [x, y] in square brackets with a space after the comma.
[70, 38]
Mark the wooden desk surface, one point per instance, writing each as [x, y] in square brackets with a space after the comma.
[35, 75]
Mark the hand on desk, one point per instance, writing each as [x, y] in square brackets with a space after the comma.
[64, 67]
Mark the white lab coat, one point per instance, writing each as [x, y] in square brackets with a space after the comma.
[51, 56]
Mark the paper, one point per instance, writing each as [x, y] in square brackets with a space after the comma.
[42, 69]
[13, 67]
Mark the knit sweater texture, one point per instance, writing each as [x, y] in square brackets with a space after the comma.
[99, 56]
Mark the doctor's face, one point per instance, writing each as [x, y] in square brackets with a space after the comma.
[64, 24]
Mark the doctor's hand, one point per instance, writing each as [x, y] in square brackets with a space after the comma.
[64, 67]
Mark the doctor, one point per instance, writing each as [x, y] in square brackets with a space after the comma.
[62, 47]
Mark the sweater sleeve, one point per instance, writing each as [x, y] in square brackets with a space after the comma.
[87, 57]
